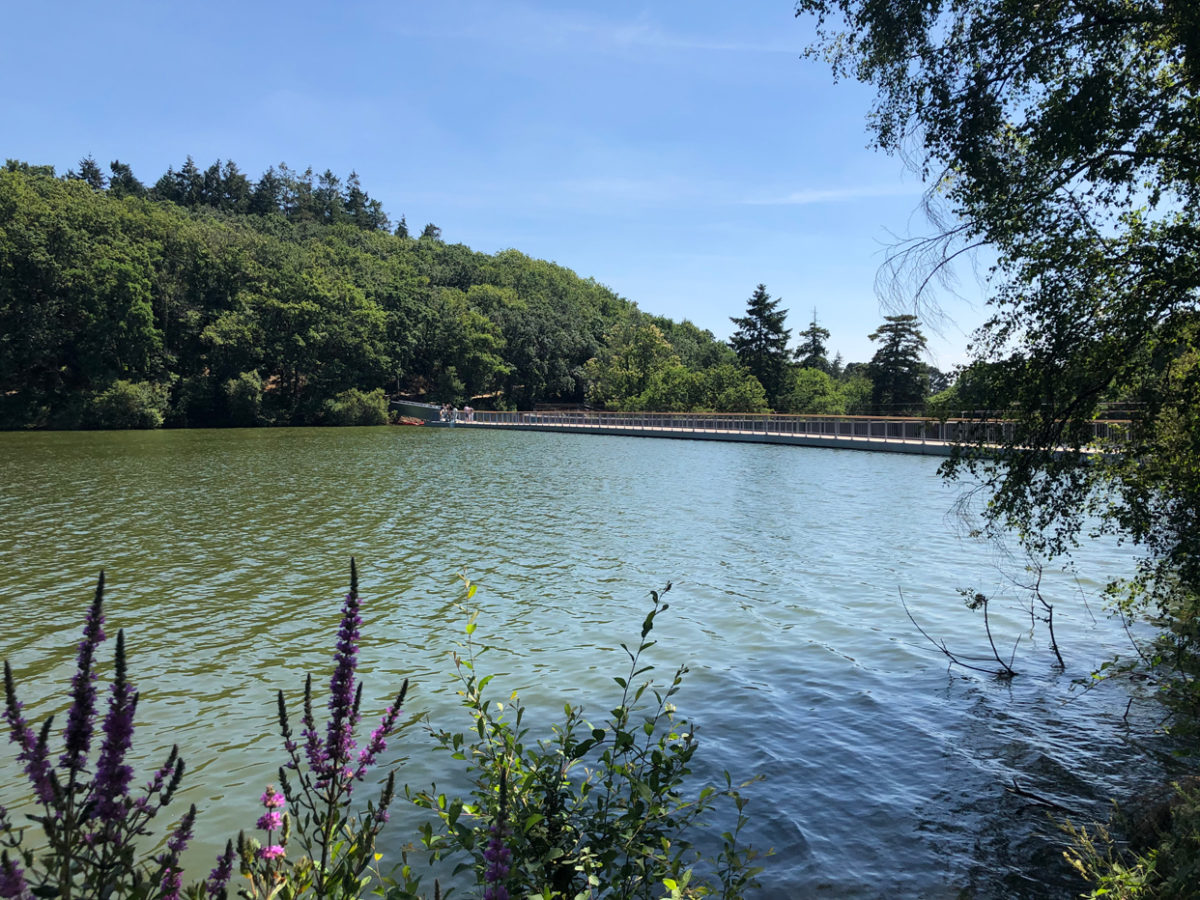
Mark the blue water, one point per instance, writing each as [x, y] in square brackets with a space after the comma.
[884, 769]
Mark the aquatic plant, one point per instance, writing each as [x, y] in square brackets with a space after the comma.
[337, 846]
[85, 841]
[591, 811]
[597, 809]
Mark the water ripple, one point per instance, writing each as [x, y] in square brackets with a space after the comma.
[884, 773]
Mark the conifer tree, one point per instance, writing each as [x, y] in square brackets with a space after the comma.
[898, 382]
[812, 353]
[123, 183]
[90, 172]
[760, 341]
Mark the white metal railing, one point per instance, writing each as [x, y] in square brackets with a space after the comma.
[890, 429]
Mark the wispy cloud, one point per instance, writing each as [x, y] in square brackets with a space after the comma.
[846, 194]
[542, 29]
[644, 33]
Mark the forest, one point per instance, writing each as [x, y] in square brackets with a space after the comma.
[210, 299]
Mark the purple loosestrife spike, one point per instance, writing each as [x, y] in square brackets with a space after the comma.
[77, 736]
[156, 782]
[381, 814]
[111, 783]
[172, 875]
[172, 883]
[274, 851]
[378, 742]
[285, 727]
[33, 749]
[12, 879]
[496, 854]
[182, 834]
[314, 749]
[176, 776]
[219, 877]
[339, 736]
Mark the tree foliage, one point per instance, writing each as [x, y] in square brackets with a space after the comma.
[211, 299]
[811, 353]
[1065, 137]
[899, 383]
[761, 340]
[639, 368]
[812, 391]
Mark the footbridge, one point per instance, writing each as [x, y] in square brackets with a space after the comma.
[930, 437]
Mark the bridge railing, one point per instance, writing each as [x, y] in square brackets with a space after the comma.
[861, 427]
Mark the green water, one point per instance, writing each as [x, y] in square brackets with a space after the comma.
[227, 555]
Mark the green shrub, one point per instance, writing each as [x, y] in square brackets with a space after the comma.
[243, 399]
[127, 404]
[1160, 857]
[353, 407]
[592, 811]
[604, 809]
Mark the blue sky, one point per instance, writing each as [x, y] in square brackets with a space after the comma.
[679, 153]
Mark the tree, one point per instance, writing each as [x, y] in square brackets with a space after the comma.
[90, 172]
[189, 184]
[812, 391]
[1065, 137]
[123, 183]
[327, 198]
[356, 202]
[898, 382]
[811, 353]
[633, 353]
[234, 191]
[760, 341]
[267, 194]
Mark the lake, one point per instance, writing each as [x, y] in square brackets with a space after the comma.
[884, 770]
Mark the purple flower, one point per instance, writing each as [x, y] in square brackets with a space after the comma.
[270, 821]
[12, 880]
[497, 856]
[159, 779]
[219, 877]
[77, 736]
[343, 696]
[112, 775]
[172, 875]
[314, 748]
[378, 742]
[179, 838]
[272, 852]
[272, 799]
[33, 749]
[171, 883]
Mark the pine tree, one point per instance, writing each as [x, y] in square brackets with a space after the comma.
[123, 183]
[235, 188]
[267, 193]
[356, 202]
[189, 184]
[90, 173]
[328, 201]
[811, 354]
[760, 341]
[898, 382]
